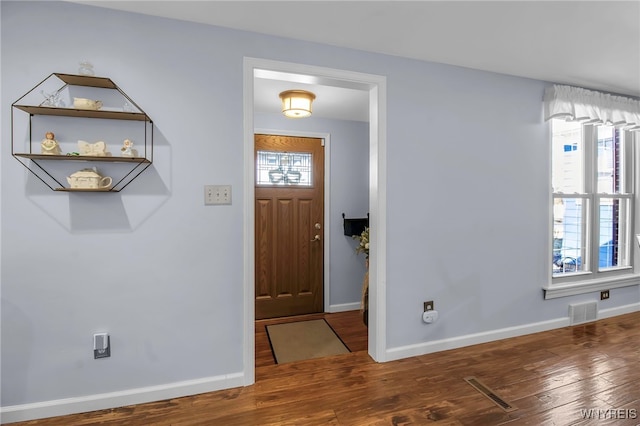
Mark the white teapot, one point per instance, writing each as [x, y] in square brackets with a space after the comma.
[89, 179]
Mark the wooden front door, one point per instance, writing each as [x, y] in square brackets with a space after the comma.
[289, 227]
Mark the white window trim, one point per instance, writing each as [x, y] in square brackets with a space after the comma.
[621, 277]
[554, 291]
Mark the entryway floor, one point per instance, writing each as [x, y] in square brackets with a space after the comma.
[347, 325]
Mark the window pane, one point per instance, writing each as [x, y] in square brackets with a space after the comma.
[570, 235]
[567, 157]
[609, 160]
[613, 238]
[284, 168]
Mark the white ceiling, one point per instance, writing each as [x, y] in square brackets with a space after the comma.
[593, 44]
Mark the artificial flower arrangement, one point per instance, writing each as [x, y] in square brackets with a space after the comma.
[363, 247]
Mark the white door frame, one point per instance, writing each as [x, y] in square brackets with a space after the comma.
[376, 86]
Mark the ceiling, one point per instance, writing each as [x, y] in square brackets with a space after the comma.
[593, 44]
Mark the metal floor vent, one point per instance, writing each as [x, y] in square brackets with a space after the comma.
[486, 391]
[583, 312]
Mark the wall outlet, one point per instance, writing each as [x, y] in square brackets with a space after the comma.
[217, 194]
[604, 294]
[428, 306]
[101, 345]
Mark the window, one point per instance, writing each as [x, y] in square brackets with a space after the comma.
[284, 168]
[592, 179]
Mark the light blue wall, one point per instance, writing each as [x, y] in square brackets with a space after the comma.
[467, 206]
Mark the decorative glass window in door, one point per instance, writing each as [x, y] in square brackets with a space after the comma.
[284, 168]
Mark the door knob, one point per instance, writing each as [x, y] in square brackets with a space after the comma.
[318, 226]
[316, 238]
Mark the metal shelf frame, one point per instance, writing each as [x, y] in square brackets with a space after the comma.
[37, 164]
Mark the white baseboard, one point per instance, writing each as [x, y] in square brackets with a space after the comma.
[344, 307]
[400, 352]
[62, 407]
[620, 310]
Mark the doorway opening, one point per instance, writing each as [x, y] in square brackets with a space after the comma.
[376, 89]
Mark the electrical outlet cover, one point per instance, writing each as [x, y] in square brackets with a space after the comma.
[101, 345]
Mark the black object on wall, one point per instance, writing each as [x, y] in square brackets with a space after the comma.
[354, 226]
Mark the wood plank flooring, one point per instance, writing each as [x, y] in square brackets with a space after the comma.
[581, 375]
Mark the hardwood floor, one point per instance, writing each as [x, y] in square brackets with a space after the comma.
[581, 375]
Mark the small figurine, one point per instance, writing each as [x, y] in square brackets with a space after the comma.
[127, 148]
[52, 99]
[86, 68]
[127, 107]
[96, 149]
[49, 145]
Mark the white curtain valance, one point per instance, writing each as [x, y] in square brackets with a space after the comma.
[588, 106]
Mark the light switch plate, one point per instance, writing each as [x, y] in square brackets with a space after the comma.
[217, 195]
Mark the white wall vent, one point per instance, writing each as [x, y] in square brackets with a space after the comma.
[583, 312]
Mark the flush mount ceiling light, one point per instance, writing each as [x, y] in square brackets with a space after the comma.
[296, 103]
